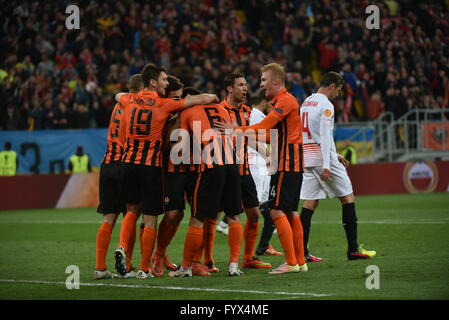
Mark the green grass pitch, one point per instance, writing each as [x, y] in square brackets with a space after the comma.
[409, 232]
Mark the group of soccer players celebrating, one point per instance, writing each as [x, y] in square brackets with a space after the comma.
[160, 122]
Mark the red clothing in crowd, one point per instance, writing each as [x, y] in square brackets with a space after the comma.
[375, 107]
[327, 55]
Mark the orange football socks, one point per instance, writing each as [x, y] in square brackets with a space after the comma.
[250, 234]
[127, 234]
[192, 243]
[148, 239]
[142, 226]
[130, 249]
[128, 228]
[286, 238]
[102, 244]
[199, 251]
[235, 236]
[298, 240]
[209, 239]
[165, 235]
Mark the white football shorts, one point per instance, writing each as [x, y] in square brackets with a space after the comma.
[338, 184]
[263, 186]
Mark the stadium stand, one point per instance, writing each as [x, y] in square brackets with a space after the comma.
[52, 77]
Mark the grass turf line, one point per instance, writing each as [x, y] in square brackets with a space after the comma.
[411, 243]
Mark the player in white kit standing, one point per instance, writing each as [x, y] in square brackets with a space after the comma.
[259, 171]
[324, 174]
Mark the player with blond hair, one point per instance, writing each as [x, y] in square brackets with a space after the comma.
[285, 184]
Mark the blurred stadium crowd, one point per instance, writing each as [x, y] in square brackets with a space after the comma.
[53, 78]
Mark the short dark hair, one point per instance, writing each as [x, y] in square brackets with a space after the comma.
[174, 84]
[230, 78]
[332, 78]
[135, 82]
[8, 145]
[190, 91]
[151, 72]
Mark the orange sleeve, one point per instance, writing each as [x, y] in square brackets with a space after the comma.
[124, 99]
[269, 122]
[172, 104]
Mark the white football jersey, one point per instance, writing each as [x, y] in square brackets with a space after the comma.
[317, 116]
[257, 164]
[256, 161]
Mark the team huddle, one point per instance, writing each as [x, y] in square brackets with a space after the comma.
[168, 145]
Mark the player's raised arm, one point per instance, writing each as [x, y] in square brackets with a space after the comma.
[203, 98]
[119, 95]
[267, 123]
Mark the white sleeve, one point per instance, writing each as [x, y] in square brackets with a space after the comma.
[256, 117]
[326, 132]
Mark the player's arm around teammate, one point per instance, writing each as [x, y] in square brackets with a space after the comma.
[190, 101]
[145, 119]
